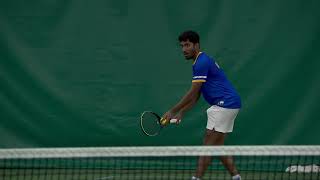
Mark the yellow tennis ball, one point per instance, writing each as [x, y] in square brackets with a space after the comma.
[163, 121]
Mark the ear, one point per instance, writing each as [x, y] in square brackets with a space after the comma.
[197, 46]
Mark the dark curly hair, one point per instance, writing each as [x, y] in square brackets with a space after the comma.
[192, 36]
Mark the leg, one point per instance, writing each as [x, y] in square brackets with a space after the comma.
[220, 119]
[213, 137]
[228, 163]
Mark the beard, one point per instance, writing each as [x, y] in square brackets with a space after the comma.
[188, 56]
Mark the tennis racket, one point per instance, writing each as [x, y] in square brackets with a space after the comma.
[151, 123]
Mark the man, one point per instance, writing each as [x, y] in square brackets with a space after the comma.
[225, 102]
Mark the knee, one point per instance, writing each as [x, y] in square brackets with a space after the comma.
[213, 138]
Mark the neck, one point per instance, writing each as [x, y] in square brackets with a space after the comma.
[196, 54]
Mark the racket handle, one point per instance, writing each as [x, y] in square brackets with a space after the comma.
[173, 121]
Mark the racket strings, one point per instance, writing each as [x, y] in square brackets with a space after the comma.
[150, 123]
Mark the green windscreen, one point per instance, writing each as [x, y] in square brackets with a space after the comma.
[80, 73]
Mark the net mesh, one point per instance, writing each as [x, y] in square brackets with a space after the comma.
[173, 162]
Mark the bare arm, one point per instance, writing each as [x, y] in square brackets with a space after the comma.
[190, 104]
[187, 102]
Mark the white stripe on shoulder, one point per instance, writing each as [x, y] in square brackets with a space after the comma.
[199, 77]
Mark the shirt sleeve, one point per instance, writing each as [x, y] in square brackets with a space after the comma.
[200, 70]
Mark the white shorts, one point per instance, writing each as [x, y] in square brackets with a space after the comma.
[221, 119]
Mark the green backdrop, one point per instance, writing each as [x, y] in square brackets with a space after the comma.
[79, 73]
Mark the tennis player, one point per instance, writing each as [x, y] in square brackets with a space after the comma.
[210, 81]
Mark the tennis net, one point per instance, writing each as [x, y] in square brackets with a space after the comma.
[159, 162]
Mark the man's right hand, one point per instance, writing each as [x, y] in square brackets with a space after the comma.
[166, 118]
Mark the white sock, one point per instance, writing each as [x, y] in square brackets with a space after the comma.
[195, 178]
[236, 177]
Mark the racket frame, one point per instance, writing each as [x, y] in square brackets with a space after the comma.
[158, 119]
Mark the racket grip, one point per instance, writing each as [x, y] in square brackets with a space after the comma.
[173, 121]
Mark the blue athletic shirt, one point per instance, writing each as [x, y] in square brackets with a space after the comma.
[216, 88]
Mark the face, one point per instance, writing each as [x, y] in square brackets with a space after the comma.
[188, 49]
